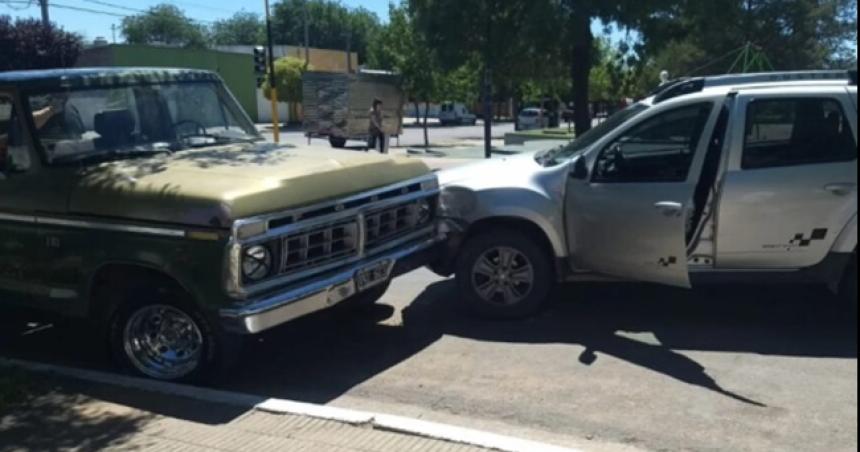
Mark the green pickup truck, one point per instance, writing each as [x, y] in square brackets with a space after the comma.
[145, 201]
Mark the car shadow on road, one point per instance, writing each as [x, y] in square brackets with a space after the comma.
[786, 321]
[324, 356]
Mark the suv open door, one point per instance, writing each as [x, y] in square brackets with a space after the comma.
[629, 202]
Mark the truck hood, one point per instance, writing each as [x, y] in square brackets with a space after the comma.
[215, 186]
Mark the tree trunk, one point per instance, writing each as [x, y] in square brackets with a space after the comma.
[417, 112]
[426, 133]
[580, 68]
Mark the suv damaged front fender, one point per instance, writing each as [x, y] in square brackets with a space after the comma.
[515, 188]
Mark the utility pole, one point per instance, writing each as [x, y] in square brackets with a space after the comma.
[273, 82]
[46, 20]
[307, 36]
[113, 32]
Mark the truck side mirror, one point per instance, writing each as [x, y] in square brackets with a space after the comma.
[580, 169]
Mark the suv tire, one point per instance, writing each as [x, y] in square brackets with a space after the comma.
[504, 274]
[151, 328]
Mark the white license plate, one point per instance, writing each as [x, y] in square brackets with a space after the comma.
[373, 275]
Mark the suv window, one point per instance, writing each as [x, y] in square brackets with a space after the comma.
[789, 132]
[659, 149]
[14, 154]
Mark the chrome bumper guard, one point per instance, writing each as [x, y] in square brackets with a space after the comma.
[322, 293]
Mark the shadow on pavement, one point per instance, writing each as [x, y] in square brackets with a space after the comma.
[796, 321]
[321, 357]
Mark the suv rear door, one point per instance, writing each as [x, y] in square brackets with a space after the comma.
[629, 219]
[791, 182]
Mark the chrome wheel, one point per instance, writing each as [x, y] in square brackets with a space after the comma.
[503, 276]
[163, 342]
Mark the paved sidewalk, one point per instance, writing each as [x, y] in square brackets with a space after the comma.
[81, 417]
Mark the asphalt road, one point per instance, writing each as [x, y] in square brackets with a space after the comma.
[729, 368]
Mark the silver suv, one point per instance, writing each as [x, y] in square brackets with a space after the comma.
[736, 178]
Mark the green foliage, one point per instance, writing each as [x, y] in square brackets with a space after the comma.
[164, 24]
[288, 71]
[399, 48]
[242, 29]
[330, 25]
[706, 37]
[27, 44]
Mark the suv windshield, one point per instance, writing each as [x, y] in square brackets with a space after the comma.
[601, 130]
[125, 121]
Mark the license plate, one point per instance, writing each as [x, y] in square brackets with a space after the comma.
[373, 275]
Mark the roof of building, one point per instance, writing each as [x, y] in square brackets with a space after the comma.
[102, 76]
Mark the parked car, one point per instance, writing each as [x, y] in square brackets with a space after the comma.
[144, 201]
[532, 118]
[737, 178]
[456, 114]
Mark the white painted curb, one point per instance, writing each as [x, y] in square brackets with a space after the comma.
[380, 421]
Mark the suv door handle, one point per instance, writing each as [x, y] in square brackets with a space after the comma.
[841, 189]
[670, 208]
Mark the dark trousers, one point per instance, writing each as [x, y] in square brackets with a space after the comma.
[377, 142]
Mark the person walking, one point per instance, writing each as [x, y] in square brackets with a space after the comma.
[378, 139]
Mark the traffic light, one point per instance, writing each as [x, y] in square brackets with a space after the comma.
[260, 64]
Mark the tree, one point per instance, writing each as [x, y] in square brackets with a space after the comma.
[28, 44]
[330, 25]
[508, 37]
[164, 24]
[400, 48]
[288, 71]
[242, 29]
[707, 37]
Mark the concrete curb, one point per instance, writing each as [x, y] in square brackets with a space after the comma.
[397, 424]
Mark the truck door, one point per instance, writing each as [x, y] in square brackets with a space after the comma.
[791, 182]
[629, 217]
[18, 230]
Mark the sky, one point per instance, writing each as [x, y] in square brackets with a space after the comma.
[94, 18]
[104, 13]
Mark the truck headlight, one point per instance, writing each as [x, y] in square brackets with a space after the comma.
[256, 263]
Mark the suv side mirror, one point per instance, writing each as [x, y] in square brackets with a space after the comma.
[580, 169]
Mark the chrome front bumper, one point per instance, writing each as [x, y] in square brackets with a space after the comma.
[321, 293]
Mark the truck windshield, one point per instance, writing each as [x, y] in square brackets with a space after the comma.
[128, 121]
[601, 130]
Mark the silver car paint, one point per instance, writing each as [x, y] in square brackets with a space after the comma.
[519, 187]
[762, 211]
[513, 187]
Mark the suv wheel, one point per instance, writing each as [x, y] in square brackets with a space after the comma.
[504, 274]
[165, 340]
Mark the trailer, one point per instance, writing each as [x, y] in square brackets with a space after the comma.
[337, 105]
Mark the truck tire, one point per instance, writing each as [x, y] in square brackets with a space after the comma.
[504, 274]
[162, 336]
[337, 142]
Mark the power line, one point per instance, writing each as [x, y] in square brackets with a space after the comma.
[27, 4]
[87, 10]
[114, 5]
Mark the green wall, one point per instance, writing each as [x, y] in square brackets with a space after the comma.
[236, 69]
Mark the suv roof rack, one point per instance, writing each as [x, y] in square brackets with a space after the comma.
[681, 87]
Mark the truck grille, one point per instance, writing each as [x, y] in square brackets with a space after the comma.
[302, 253]
[319, 246]
[395, 222]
